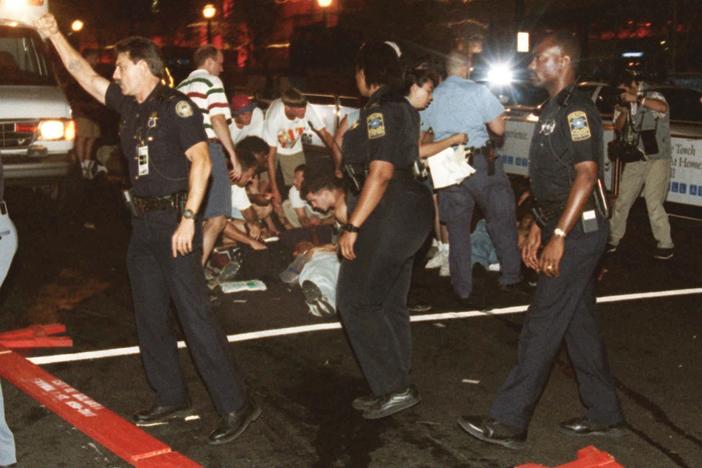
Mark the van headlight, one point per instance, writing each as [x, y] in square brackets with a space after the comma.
[12, 4]
[56, 130]
[500, 74]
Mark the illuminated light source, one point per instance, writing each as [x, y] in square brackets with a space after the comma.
[51, 130]
[522, 42]
[77, 25]
[209, 11]
[21, 3]
[324, 3]
[500, 74]
[632, 54]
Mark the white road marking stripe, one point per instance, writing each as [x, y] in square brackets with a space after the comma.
[131, 350]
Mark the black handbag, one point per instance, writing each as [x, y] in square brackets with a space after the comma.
[624, 152]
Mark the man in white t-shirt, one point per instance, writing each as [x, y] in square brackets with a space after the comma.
[247, 119]
[287, 119]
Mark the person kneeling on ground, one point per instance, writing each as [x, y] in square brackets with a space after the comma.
[244, 225]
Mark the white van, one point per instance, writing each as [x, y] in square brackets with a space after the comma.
[36, 128]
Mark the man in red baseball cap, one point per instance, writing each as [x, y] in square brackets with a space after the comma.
[247, 118]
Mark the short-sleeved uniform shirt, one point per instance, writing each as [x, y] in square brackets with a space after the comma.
[207, 93]
[461, 106]
[168, 123]
[569, 132]
[286, 134]
[387, 130]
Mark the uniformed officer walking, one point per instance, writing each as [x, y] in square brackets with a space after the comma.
[565, 162]
[390, 216]
[165, 145]
[464, 106]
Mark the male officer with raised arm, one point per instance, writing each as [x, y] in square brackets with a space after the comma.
[164, 141]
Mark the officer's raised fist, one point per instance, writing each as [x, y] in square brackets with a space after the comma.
[46, 26]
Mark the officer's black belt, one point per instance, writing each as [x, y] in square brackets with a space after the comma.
[484, 150]
[403, 175]
[147, 204]
[546, 212]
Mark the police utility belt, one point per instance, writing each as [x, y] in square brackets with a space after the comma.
[139, 206]
[357, 173]
[547, 212]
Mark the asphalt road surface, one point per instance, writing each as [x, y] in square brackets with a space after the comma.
[71, 269]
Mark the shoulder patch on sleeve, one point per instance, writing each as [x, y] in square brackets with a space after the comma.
[579, 126]
[183, 109]
[376, 125]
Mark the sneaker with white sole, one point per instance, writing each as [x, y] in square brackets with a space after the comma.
[317, 304]
[444, 269]
[435, 261]
[663, 253]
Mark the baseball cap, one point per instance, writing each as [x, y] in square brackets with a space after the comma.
[241, 104]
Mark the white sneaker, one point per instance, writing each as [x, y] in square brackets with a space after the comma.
[435, 261]
[493, 267]
[444, 270]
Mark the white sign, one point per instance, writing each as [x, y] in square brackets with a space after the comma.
[686, 172]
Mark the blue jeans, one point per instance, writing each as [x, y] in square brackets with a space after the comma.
[7, 441]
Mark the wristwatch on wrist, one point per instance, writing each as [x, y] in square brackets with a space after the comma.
[348, 227]
[558, 232]
[188, 214]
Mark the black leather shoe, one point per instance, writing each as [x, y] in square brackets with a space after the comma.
[585, 427]
[493, 431]
[232, 425]
[393, 403]
[161, 414]
[362, 403]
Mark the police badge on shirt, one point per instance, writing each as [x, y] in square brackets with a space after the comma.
[376, 125]
[579, 126]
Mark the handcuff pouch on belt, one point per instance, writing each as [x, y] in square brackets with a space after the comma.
[138, 206]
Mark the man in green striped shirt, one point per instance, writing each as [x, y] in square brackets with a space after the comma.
[204, 87]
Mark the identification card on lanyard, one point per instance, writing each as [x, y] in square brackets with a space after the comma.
[143, 160]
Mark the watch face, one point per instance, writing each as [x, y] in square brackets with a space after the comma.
[188, 214]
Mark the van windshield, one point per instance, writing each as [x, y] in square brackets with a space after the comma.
[22, 60]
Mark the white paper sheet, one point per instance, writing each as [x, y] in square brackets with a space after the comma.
[449, 167]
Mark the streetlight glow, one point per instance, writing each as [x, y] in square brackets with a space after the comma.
[77, 25]
[324, 3]
[209, 11]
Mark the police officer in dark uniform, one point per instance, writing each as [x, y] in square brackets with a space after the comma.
[390, 217]
[166, 147]
[565, 161]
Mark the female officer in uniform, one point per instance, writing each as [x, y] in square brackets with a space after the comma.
[390, 217]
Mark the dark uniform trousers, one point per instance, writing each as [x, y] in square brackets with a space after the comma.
[373, 288]
[495, 197]
[562, 307]
[157, 278]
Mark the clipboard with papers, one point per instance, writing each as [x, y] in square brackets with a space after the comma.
[449, 167]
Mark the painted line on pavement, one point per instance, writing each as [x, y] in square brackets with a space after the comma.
[131, 350]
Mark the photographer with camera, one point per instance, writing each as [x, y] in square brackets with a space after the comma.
[642, 121]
